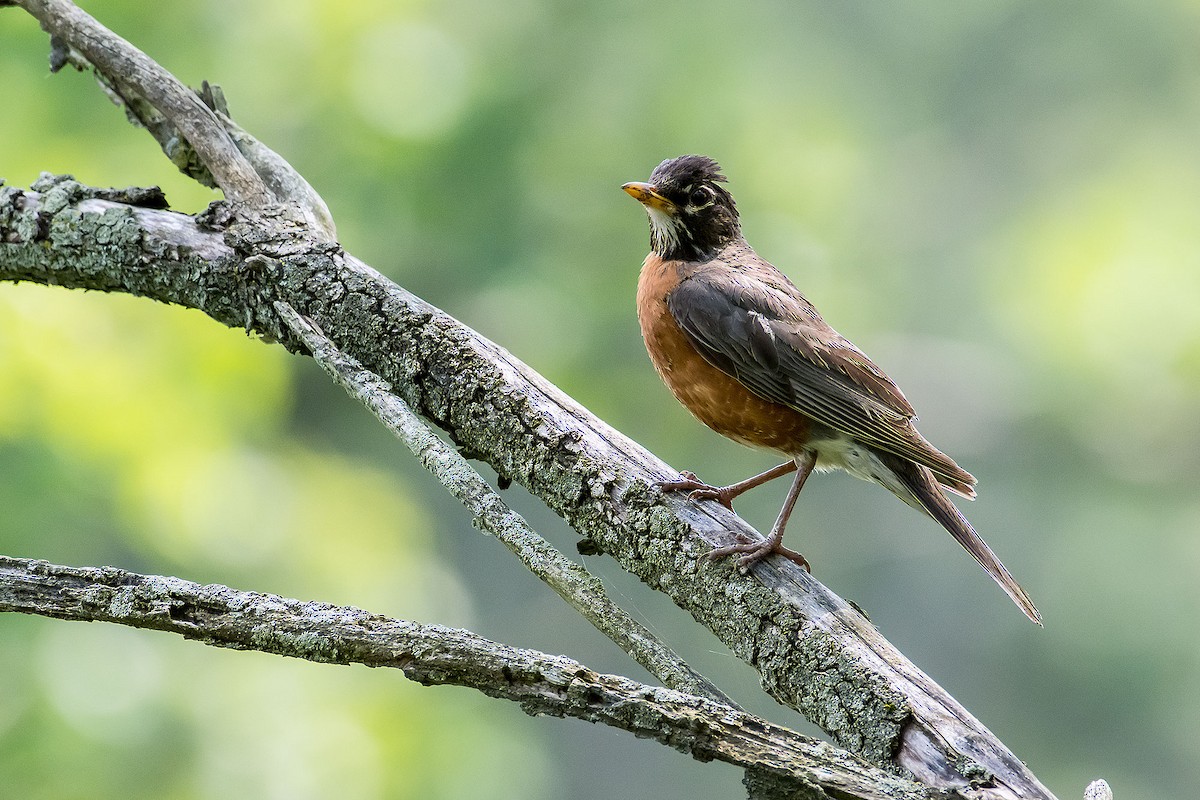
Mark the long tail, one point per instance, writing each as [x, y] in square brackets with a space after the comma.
[923, 492]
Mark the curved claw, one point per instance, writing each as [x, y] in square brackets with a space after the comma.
[757, 551]
[712, 493]
[698, 490]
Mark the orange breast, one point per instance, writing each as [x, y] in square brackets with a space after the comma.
[714, 398]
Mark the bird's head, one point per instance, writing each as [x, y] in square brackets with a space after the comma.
[692, 216]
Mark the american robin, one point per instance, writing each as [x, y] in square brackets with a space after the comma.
[751, 358]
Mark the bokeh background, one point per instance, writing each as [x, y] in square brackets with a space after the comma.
[999, 201]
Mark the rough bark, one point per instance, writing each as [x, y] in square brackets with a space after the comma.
[568, 579]
[235, 262]
[185, 127]
[814, 651]
[434, 655]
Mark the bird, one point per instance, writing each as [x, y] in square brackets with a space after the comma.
[750, 357]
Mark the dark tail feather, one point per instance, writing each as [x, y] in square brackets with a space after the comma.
[924, 493]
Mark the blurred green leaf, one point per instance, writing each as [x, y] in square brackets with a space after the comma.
[997, 201]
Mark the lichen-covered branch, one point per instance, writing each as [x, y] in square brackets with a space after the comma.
[432, 654]
[814, 651]
[139, 80]
[570, 581]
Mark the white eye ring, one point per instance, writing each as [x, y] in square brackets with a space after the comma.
[701, 197]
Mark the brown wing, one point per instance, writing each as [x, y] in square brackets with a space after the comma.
[772, 340]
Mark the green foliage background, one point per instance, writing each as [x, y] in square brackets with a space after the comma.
[999, 201]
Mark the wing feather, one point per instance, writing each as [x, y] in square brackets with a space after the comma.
[768, 337]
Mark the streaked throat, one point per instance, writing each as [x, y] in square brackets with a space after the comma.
[666, 232]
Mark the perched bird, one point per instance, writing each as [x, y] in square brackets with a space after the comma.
[751, 358]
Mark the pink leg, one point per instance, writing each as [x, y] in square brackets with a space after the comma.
[698, 490]
[757, 551]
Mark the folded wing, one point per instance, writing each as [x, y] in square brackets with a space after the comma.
[772, 340]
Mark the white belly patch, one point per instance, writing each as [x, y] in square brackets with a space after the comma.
[860, 461]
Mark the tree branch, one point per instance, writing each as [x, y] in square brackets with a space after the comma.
[569, 580]
[435, 655]
[137, 77]
[815, 652]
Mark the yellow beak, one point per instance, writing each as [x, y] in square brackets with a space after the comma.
[644, 193]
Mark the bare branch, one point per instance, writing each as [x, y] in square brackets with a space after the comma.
[138, 78]
[434, 655]
[284, 181]
[569, 580]
[814, 651]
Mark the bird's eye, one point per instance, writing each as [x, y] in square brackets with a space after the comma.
[701, 196]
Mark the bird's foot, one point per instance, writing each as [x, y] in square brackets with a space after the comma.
[753, 552]
[699, 490]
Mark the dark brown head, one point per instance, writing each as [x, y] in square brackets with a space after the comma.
[692, 216]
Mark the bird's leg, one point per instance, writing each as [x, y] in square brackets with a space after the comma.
[699, 490]
[757, 551]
